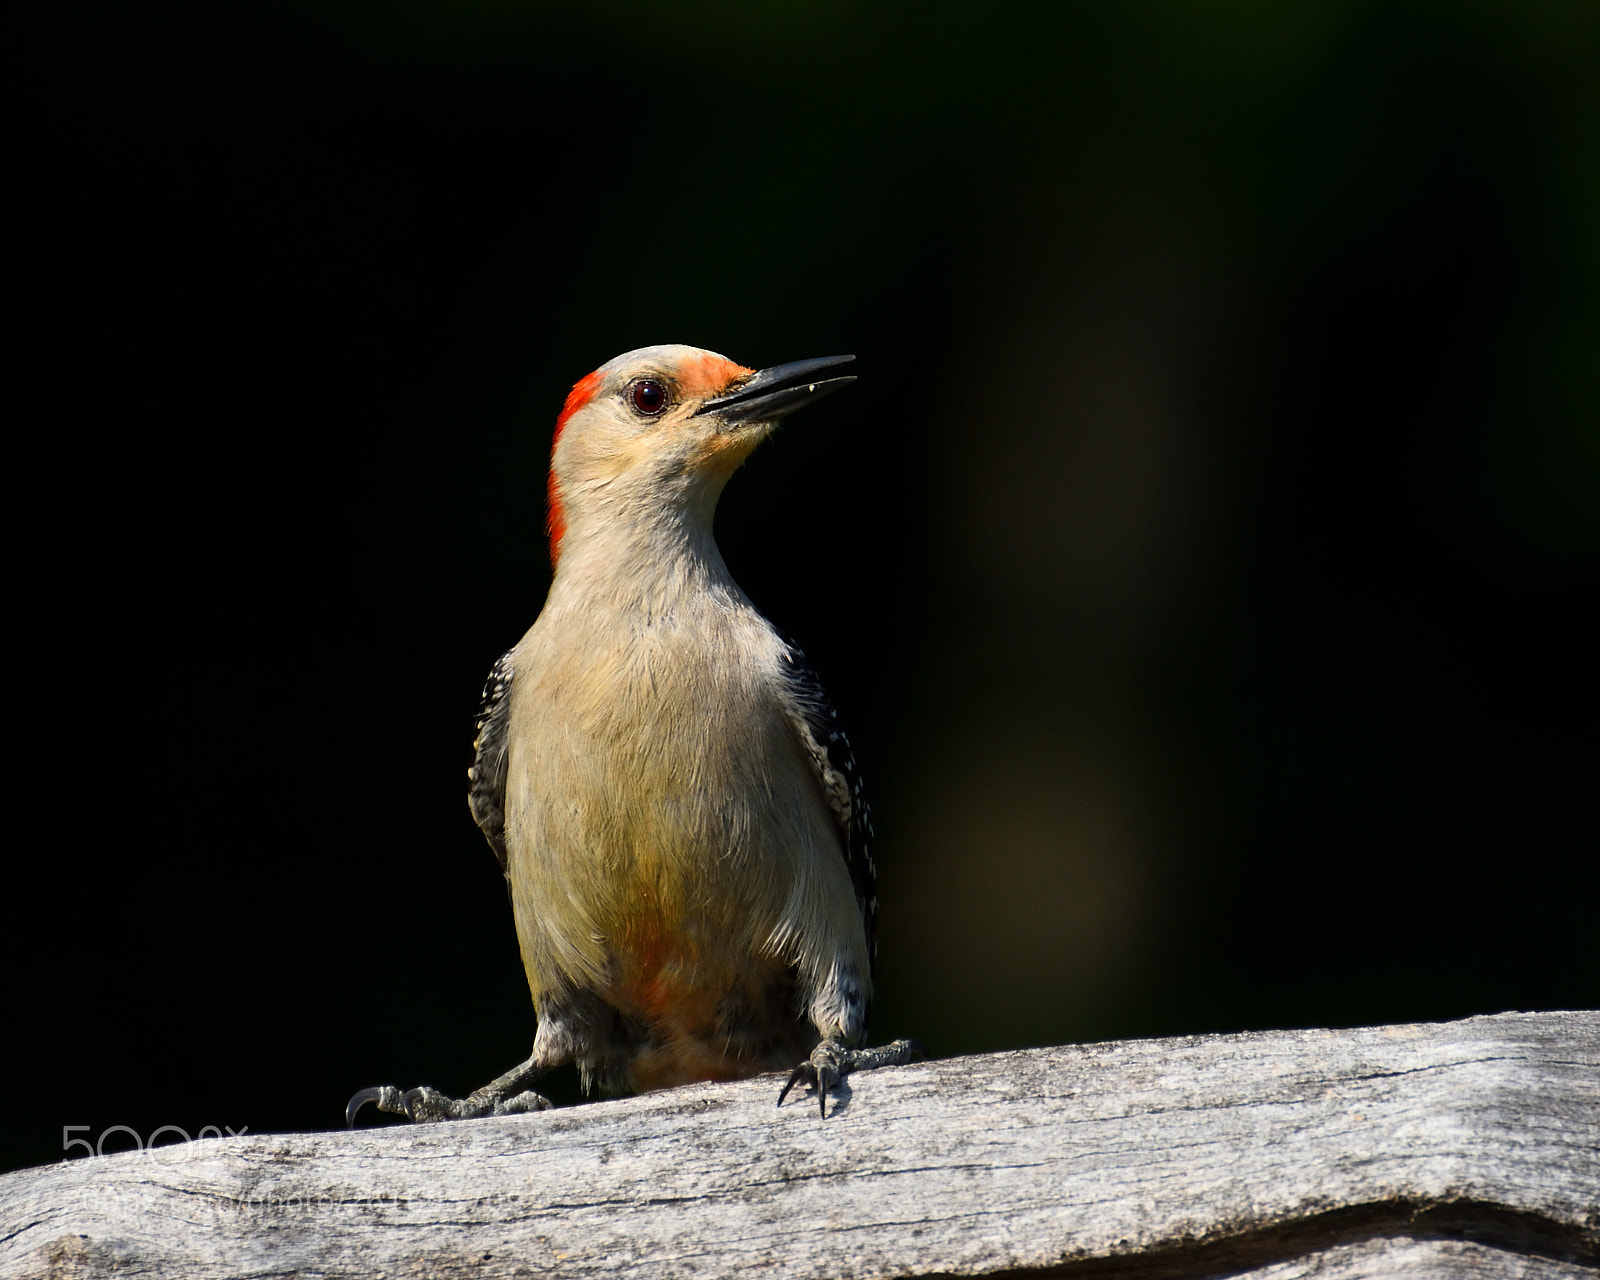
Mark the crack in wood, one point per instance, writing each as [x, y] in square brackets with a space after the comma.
[1474, 1221]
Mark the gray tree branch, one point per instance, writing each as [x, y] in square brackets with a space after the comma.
[1465, 1148]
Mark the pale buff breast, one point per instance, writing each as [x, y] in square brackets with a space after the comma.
[668, 844]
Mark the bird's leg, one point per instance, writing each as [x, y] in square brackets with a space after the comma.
[565, 1032]
[830, 1062]
[503, 1096]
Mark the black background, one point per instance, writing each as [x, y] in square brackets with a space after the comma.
[1203, 562]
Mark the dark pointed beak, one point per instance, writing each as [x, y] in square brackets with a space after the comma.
[778, 391]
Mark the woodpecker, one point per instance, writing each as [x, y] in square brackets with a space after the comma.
[666, 786]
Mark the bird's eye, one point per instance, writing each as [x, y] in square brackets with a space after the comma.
[649, 396]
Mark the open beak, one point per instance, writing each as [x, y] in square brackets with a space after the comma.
[777, 391]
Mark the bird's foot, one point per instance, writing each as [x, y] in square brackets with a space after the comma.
[502, 1097]
[830, 1062]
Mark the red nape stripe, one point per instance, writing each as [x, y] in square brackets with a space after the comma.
[582, 392]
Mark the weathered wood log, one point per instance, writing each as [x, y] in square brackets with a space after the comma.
[1465, 1148]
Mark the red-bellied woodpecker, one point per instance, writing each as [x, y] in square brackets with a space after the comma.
[667, 788]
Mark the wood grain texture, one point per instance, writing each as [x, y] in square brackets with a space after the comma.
[1469, 1148]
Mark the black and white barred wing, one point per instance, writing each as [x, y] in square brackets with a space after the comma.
[486, 779]
[817, 723]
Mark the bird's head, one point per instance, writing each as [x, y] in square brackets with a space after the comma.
[655, 433]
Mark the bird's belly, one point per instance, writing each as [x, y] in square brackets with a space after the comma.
[661, 897]
[659, 838]
[685, 923]
[709, 1010]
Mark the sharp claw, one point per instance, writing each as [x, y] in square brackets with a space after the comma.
[827, 1077]
[356, 1103]
[409, 1100]
[795, 1077]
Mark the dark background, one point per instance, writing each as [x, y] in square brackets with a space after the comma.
[1203, 562]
